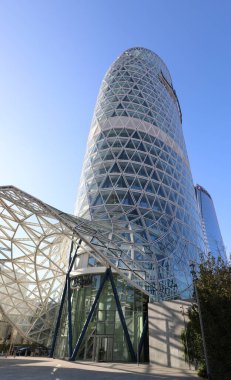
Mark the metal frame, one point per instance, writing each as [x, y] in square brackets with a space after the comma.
[141, 343]
[73, 353]
[35, 239]
[66, 290]
[90, 315]
[122, 319]
[35, 265]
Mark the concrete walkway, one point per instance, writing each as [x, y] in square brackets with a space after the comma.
[28, 368]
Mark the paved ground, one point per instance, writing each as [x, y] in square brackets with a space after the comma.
[52, 369]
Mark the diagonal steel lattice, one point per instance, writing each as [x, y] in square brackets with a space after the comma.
[35, 241]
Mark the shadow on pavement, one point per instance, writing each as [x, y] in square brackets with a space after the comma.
[40, 369]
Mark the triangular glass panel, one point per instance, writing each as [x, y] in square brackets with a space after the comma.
[123, 155]
[129, 169]
[136, 143]
[123, 165]
[134, 212]
[141, 147]
[136, 135]
[117, 131]
[129, 153]
[130, 145]
[111, 133]
[136, 185]
[149, 188]
[143, 182]
[137, 101]
[161, 175]
[128, 199]
[136, 157]
[125, 99]
[153, 236]
[120, 195]
[148, 161]
[107, 182]
[115, 168]
[114, 179]
[168, 209]
[129, 180]
[121, 182]
[98, 201]
[155, 186]
[105, 195]
[142, 171]
[136, 196]
[162, 203]
[148, 222]
[144, 202]
[157, 205]
[108, 156]
[161, 192]
[117, 143]
[112, 199]
[124, 132]
[155, 176]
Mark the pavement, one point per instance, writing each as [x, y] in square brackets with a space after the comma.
[38, 368]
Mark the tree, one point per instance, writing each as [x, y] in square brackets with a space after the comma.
[214, 292]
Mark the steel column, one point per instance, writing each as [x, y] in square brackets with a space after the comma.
[122, 319]
[69, 316]
[66, 288]
[90, 315]
[141, 343]
[58, 319]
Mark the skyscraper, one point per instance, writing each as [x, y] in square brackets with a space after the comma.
[136, 175]
[212, 234]
[84, 281]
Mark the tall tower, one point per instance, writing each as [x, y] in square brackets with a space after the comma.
[136, 175]
[211, 230]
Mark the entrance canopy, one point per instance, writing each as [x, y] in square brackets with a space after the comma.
[36, 241]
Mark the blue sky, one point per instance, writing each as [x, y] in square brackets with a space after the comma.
[53, 56]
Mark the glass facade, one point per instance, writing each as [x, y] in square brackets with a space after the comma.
[136, 176]
[212, 235]
[104, 339]
[41, 295]
[83, 282]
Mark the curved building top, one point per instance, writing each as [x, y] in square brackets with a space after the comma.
[138, 85]
[150, 57]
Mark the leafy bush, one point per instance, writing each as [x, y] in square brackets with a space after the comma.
[214, 291]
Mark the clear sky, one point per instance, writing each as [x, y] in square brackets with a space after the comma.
[53, 56]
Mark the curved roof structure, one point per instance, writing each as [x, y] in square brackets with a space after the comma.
[35, 243]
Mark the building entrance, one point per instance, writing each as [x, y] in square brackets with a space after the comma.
[99, 348]
[103, 348]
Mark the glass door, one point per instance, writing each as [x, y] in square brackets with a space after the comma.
[103, 348]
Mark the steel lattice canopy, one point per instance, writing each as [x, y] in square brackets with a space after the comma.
[35, 241]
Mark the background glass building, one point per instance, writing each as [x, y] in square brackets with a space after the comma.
[212, 234]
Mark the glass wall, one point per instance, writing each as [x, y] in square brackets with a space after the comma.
[104, 339]
[212, 234]
[136, 175]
